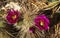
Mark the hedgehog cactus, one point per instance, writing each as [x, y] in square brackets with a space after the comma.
[34, 19]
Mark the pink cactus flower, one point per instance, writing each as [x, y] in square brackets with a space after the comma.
[12, 16]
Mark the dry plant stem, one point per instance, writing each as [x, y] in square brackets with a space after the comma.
[57, 30]
[58, 9]
[10, 34]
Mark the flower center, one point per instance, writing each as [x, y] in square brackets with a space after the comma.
[14, 17]
[41, 23]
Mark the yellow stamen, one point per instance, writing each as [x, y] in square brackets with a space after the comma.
[41, 23]
[14, 16]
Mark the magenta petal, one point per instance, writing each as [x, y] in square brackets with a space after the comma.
[12, 12]
[45, 21]
[32, 29]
